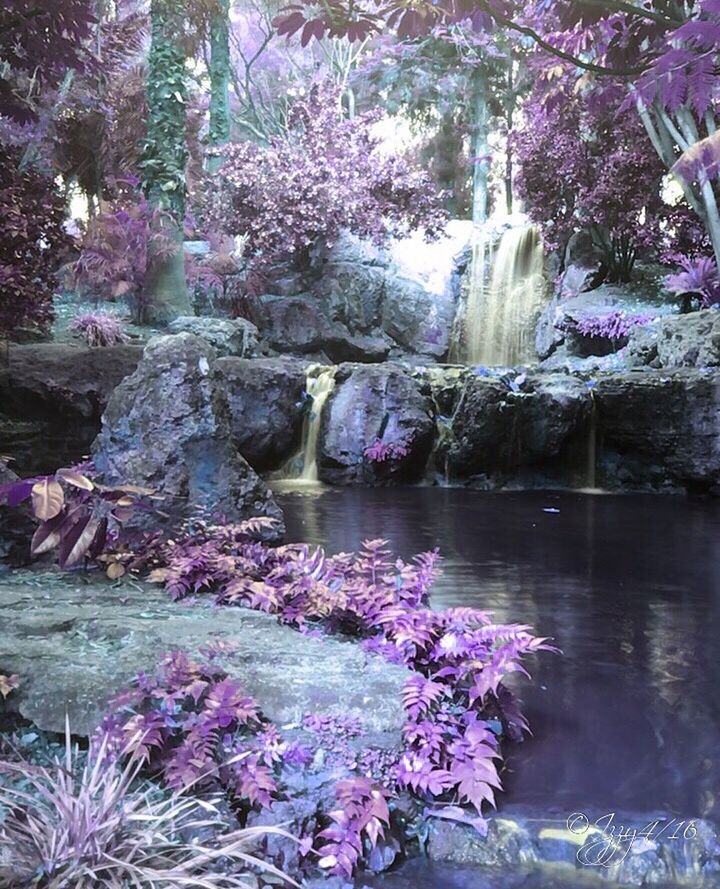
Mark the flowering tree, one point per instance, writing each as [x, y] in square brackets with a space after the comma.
[327, 173]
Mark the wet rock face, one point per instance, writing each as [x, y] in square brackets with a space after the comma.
[56, 380]
[691, 340]
[660, 430]
[265, 397]
[371, 403]
[75, 641]
[167, 427]
[227, 336]
[495, 430]
[52, 396]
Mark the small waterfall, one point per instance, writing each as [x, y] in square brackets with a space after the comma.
[506, 294]
[319, 383]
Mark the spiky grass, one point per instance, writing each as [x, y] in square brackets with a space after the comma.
[73, 826]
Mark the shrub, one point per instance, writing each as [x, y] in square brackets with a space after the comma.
[32, 242]
[699, 278]
[99, 329]
[192, 725]
[325, 174]
[83, 822]
[615, 326]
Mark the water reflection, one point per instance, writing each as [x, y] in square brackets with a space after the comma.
[628, 719]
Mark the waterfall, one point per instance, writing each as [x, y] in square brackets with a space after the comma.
[319, 383]
[505, 296]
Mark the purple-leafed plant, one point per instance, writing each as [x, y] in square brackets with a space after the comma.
[381, 451]
[699, 278]
[99, 329]
[458, 703]
[78, 516]
[192, 725]
[615, 325]
[86, 823]
[357, 825]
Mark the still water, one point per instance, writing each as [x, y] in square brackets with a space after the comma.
[628, 718]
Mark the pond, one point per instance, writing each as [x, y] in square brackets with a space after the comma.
[627, 720]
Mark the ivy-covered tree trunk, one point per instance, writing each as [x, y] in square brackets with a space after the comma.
[165, 295]
[219, 80]
[480, 146]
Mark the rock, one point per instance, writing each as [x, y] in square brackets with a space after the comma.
[16, 526]
[691, 340]
[495, 430]
[58, 381]
[507, 844]
[342, 346]
[554, 332]
[265, 397]
[167, 427]
[227, 336]
[372, 402]
[352, 295]
[660, 429]
[291, 324]
[75, 640]
[422, 289]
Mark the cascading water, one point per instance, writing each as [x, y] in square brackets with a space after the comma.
[319, 384]
[505, 296]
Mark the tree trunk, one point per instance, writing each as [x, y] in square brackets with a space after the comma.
[480, 147]
[219, 132]
[165, 294]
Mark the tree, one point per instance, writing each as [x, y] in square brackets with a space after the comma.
[164, 159]
[39, 44]
[324, 175]
[586, 162]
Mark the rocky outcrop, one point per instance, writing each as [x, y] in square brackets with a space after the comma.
[167, 427]
[46, 381]
[265, 397]
[557, 341]
[691, 340]
[660, 430]
[371, 404]
[52, 396]
[227, 336]
[74, 642]
[498, 426]
[360, 303]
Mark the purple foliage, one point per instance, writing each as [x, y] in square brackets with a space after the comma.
[326, 174]
[381, 451]
[615, 325]
[456, 700]
[99, 328]
[193, 725]
[699, 276]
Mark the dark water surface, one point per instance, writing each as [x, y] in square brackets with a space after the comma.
[628, 718]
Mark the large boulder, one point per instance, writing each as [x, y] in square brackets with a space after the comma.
[291, 324]
[74, 642]
[371, 404]
[497, 427]
[660, 430]
[227, 336]
[265, 397]
[167, 427]
[691, 340]
[46, 381]
[422, 290]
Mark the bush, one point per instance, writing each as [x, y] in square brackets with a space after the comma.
[32, 243]
[325, 174]
[99, 329]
